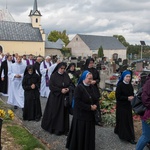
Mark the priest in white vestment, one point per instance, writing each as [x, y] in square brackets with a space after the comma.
[16, 93]
[44, 69]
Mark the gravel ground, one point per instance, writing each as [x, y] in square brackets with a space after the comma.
[105, 137]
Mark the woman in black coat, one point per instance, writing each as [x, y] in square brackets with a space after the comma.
[82, 132]
[124, 121]
[31, 85]
[56, 115]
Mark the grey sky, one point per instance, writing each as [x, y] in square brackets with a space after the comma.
[129, 18]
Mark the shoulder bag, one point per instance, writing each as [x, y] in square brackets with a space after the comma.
[137, 104]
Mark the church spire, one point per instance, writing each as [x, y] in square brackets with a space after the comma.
[35, 10]
[35, 6]
[35, 16]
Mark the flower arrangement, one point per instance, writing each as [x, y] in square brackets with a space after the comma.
[6, 115]
[73, 78]
[113, 78]
[108, 107]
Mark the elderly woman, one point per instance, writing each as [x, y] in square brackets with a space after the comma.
[82, 132]
[124, 121]
[56, 115]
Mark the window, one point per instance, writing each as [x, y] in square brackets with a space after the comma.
[36, 20]
[76, 39]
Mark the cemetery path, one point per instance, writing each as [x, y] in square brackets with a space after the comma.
[105, 137]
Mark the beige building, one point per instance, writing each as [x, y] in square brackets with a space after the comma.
[26, 38]
[88, 45]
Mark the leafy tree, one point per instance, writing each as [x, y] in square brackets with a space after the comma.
[122, 40]
[66, 51]
[100, 52]
[134, 49]
[55, 35]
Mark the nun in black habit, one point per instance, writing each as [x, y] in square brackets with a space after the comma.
[72, 69]
[124, 95]
[89, 65]
[56, 115]
[82, 133]
[31, 85]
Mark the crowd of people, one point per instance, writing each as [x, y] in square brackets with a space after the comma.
[24, 80]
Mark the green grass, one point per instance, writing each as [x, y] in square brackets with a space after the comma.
[24, 138]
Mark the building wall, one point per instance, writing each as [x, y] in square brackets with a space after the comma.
[35, 48]
[109, 53]
[53, 52]
[79, 48]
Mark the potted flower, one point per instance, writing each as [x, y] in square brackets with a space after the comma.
[5, 115]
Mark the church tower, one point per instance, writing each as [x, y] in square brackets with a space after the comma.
[35, 16]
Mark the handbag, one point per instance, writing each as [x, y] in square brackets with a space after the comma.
[97, 116]
[96, 112]
[137, 104]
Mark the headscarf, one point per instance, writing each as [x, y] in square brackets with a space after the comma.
[124, 73]
[29, 67]
[59, 66]
[87, 63]
[70, 65]
[83, 76]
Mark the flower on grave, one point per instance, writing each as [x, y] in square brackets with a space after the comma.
[111, 95]
[6, 115]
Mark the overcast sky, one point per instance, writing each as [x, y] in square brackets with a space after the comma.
[130, 18]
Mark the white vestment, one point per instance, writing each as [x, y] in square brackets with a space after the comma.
[24, 61]
[16, 92]
[44, 90]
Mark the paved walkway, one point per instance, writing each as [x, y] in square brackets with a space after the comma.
[105, 138]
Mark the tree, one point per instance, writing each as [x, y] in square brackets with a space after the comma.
[100, 52]
[122, 40]
[55, 35]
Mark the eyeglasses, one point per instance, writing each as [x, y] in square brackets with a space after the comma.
[62, 68]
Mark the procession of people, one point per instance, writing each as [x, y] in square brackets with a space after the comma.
[24, 79]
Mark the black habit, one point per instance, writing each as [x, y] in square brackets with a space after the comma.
[32, 105]
[96, 77]
[56, 116]
[37, 68]
[124, 121]
[82, 132]
[4, 83]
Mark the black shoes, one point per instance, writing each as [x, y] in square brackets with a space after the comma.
[132, 141]
[15, 107]
[148, 146]
[37, 119]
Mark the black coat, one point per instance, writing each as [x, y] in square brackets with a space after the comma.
[32, 105]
